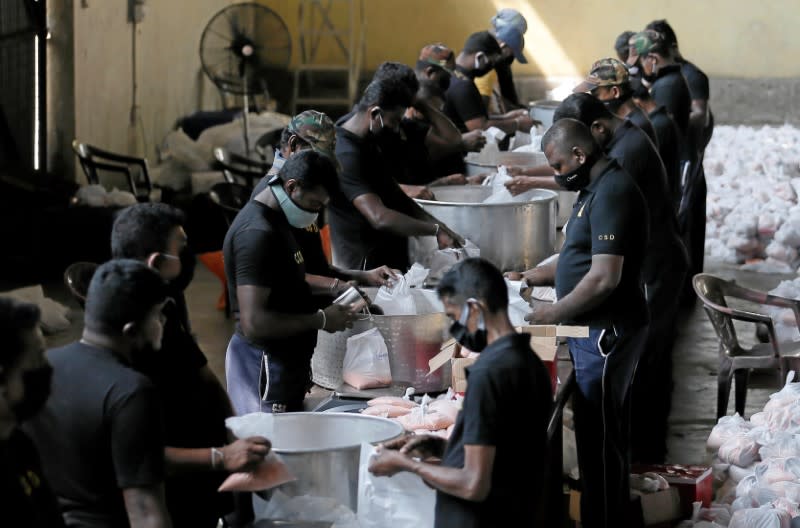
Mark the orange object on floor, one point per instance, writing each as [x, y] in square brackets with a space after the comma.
[325, 235]
[214, 262]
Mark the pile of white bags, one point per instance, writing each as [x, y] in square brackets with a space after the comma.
[753, 177]
[757, 463]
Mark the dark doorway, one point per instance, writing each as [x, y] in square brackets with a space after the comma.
[22, 86]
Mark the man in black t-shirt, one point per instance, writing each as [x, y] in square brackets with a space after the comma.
[25, 378]
[371, 217]
[194, 403]
[315, 130]
[663, 270]
[268, 361]
[507, 383]
[100, 433]
[663, 74]
[597, 283]
[668, 138]
[608, 80]
[463, 102]
[692, 213]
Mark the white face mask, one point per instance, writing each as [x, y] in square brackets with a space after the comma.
[295, 215]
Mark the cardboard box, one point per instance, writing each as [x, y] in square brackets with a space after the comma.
[693, 483]
[548, 340]
[459, 375]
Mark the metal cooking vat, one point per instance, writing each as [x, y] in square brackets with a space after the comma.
[411, 340]
[543, 110]
[513, 236]
[322, 450]
[482, 164]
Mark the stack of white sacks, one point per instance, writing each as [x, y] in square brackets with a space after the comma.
[757, 466]
[753, 177]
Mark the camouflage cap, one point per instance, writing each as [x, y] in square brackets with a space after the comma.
[316, 129]
[438, 55]
[605, 72]
[645, 42]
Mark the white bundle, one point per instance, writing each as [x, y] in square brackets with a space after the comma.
[727, 427]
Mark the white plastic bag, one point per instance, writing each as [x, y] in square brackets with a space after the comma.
[518, 307]
[727, 427]
[764, 517]
[400, 501]
[397, 299]
[304, 508]
[442, 260]
[366, 361]
[740, 450]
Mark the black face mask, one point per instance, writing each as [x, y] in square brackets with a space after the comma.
[474, 341]
[577, 179]
[37, 390]
[613, 105]
[188, 265]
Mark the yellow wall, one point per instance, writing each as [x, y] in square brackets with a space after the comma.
[168, 78]
[728, 38]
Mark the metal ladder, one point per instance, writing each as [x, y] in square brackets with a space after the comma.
[317, 30]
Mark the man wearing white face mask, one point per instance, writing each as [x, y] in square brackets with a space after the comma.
[268, 362]
[464, 104]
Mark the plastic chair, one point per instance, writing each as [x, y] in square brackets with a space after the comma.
[77, 277]
[735, 360]
[93, 159]
[237, 168]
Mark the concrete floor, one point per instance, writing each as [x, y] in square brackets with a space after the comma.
[695, 357]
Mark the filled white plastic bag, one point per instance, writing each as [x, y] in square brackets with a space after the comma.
[400, 501]
[396, 299]
[366, 361]
[764, 517]
[740, 450]
[727, 427]
[518, 307]
[441, 260]
[497, 182]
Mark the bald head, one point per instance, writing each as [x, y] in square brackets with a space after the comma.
[565, 134]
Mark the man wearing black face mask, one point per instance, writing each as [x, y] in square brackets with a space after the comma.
[25, 378]
[268, 361]
[663, 270]
[464, 104]
[371, 217]
[100, 433]
[596, 276]
[485, 452]
[153, 233]
[608, 81]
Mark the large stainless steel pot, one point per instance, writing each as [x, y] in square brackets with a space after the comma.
[411, 340]
[322, 450]
[543, 110]
[483, 163]
[513, 236]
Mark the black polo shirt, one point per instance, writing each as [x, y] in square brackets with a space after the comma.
[698, 89]
[608, 218]
[640, 119]
[669, 150]
[635, 153]
[366, 168]
[462, 100]
[260, 250]
[508, 392]
[412, 153]
[670, 90]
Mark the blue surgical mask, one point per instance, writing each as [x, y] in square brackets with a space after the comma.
[295, 215]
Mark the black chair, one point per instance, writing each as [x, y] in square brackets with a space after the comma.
[230, 198]
[95, 162]
[240, 169]
[77, 277]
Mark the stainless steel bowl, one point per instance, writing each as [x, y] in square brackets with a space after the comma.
[543, 110]
[513, 236]
[323, 450]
